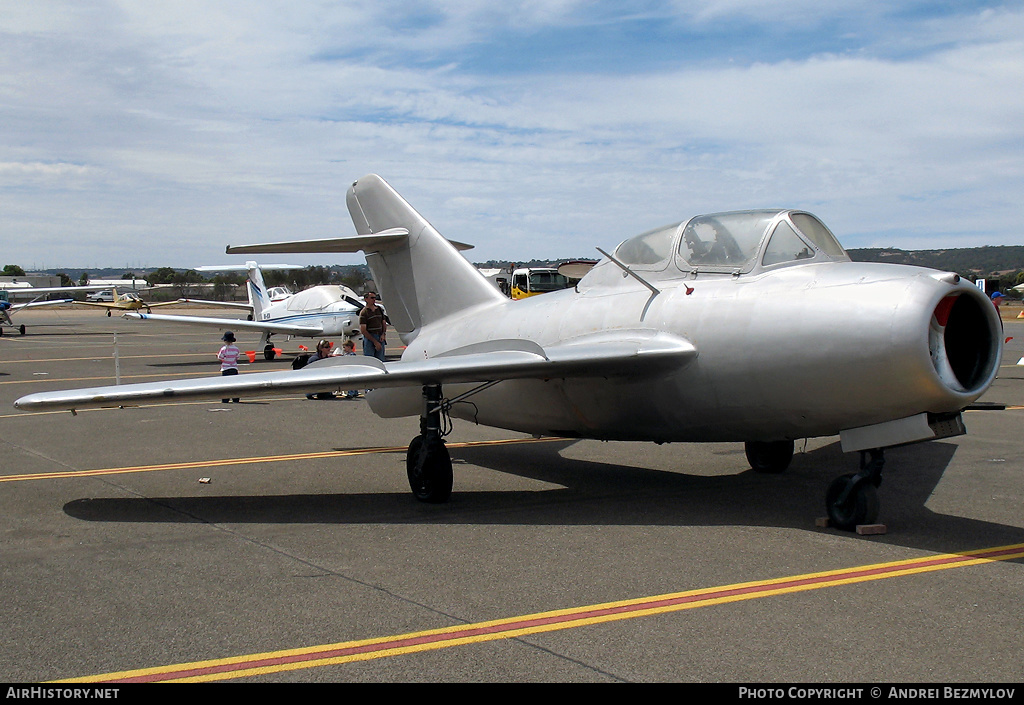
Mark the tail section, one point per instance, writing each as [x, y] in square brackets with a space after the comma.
[259, 299]
[422, 277]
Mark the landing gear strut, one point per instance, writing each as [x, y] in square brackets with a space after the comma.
[427, 461]
[852, 499]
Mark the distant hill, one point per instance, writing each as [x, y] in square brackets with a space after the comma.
[971, 262]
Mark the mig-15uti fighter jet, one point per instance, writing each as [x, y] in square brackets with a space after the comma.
[750, 326]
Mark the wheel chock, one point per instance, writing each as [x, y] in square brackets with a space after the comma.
[862, 529]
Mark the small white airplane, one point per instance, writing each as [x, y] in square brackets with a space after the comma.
[748, 326]
[16, 289]
[317, 312]
[274, 293]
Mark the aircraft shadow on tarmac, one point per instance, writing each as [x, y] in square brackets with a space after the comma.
[595, 493]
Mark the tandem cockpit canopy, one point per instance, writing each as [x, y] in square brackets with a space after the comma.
[736, 243]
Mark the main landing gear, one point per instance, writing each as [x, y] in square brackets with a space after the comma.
[769, 456]
[850, 500]
[427, 461]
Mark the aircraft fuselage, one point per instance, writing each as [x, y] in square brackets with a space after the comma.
[869, 331]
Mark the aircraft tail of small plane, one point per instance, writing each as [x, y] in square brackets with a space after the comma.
[421, 276]
[259, 298]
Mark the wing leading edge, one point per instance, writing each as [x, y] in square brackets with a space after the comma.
[599, 356]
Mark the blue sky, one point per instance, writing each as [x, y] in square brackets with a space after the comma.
[144, 134]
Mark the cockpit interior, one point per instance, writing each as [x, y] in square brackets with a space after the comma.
[736, 243]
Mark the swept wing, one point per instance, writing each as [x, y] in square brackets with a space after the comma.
[602, 355]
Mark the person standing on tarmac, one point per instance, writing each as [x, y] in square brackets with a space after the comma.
[373, 325]
[228, 357]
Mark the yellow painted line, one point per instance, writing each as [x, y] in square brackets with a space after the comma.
[271, 662]
[226, 462]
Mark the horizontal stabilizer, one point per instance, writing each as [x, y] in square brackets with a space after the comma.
[225, 304]
[508, 360]
[245, 267]
[384, 240]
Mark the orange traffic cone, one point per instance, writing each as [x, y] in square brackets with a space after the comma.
[251, 354]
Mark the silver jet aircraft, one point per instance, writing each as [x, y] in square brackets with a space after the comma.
[750, 326]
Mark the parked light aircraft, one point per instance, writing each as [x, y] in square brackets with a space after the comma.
[127, 301]
[9, 291]
[274, 293]
[319, 311]
[749, 326]
[7, 308]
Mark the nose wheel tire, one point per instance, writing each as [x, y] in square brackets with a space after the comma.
[848, 506]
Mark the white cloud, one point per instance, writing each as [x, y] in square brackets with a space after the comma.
[174, 129]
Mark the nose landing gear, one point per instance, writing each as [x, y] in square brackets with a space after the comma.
[852, 499]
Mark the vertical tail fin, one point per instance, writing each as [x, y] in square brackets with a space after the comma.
[259, 299]
[422, 277]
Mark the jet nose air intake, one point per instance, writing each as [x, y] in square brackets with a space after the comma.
[964, 342]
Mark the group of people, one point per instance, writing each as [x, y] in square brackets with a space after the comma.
[373, 325]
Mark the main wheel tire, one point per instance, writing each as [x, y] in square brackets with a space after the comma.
[21, 329]
[769, 456]
[861, 507]
[268, 353]
[429, 468]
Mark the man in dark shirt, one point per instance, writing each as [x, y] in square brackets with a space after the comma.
[373, 326]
